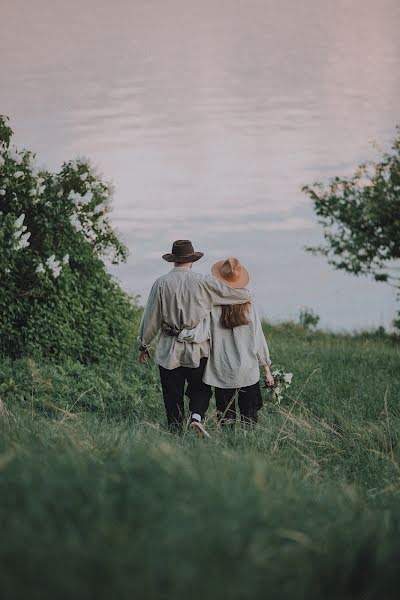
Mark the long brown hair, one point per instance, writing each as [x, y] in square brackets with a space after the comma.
[234, 315]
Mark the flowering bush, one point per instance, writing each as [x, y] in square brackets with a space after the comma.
[282, 382]
[56, 296]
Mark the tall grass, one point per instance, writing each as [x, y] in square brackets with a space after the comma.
[98, 500]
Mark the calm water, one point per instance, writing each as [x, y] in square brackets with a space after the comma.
[209, 117]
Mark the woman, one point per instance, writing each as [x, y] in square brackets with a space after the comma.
[238, 347]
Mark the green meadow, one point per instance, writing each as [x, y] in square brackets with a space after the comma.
[98, 500]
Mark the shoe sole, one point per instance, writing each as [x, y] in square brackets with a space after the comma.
[199, 429]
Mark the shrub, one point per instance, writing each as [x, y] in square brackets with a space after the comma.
[360, 217]
[308, 318]
[56, 296]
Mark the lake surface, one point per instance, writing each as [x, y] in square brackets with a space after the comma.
[209, 117]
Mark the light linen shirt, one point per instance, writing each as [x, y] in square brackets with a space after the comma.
[182, 299]
[235, 354]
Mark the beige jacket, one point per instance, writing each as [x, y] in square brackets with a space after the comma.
[182, 299]
[235, 354]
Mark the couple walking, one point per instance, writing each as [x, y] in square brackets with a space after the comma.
[210, 335]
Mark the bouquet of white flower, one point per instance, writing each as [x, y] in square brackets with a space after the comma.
[282, 381]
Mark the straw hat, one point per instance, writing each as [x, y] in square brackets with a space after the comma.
[231, 272]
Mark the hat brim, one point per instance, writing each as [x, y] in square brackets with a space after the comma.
[183, 259]
[241, 282]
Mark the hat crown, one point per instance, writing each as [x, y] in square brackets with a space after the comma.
[231, 272]
[231, 268]
[182, 248]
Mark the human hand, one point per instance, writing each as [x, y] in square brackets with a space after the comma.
[144, 357]
[268, 376]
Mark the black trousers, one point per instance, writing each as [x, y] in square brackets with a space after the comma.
[173, 386]
[249, 399]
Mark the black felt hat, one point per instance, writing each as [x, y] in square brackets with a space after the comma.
[182, 252]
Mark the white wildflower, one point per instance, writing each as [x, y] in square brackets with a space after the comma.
[102, 220]
[87, 197]
[84, 176]
[74, 165]
[40, 268]
[75, 222]
[19, 232]
[77, 198]
[54, 265]
[7, 271]
[32, 192]
[91, 235]
[74, 196]
[288, 378]
[14, 155]
[98, 209]
[18, 174]
[23, 241]
[65, 260]
[56, 272]
[2, 192]
[51, 260]
[19, 221]
[282, 381]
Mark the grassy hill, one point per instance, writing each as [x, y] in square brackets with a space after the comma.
[98, 500]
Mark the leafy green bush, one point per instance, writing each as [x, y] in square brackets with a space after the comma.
[308, 318]
[56, 296]
[360, 217]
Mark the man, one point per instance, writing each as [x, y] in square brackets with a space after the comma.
[180, 300]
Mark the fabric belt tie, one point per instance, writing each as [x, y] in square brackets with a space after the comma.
[170, 330]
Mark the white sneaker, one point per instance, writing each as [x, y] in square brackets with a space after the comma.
[199, 428]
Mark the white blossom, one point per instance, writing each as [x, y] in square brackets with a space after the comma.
[18, 174]
[54, 265]
[65, 260]
[23, 241]
[75, 222]
[98, 209]
[19, 232]
[84, 176]
[14, 155]
[102, 220]
[282, 382]
[2, 192]
[40, 268]
[288, 378]
[91, 235]
[20, 220]
[77, 198]
[87, 197]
